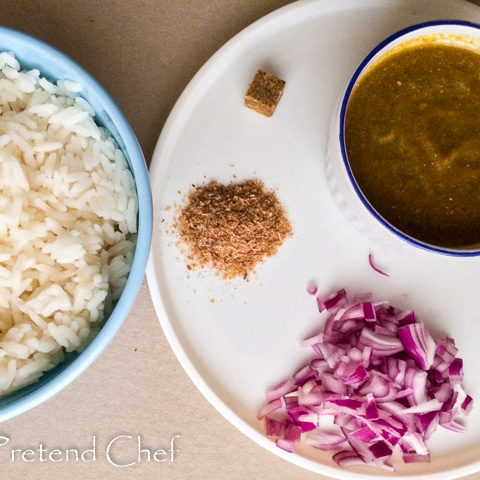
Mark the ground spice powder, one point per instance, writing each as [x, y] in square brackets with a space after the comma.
[232, 228]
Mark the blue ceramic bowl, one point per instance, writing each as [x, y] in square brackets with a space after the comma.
[54, 65]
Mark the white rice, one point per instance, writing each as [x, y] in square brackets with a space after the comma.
[68, 217]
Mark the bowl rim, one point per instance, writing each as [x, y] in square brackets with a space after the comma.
[137, 164]
[343, 109]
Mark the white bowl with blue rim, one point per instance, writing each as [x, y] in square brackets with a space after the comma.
[345, 190]
[54, 65]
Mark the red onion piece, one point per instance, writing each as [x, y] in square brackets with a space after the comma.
[382, 345]
[269, 408]
[274, 428]
[467, 405]
[335, 300]
[429, 406]
[365, 434]
[347, 458]
[370, 261]
[325, 440]
[281, 389]
[295, 413]
[418, 343]
[371, 410]
[380, 449]
[292, 433]
[446, 350]
[286, 445]
[455, 371]
[415, 457]
[312, 289]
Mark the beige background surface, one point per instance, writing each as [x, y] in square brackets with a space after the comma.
[144, 52]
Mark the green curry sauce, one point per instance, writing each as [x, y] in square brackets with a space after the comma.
[412, 133]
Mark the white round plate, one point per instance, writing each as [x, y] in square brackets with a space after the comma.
[237, 338]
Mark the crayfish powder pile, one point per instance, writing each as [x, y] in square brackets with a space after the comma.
[231, 228]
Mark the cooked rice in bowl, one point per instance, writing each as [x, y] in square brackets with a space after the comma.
[68, 218]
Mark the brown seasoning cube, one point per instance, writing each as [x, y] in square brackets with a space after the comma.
[264, 93]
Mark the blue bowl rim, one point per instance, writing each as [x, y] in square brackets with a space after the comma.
[343, 110]
[138, 166]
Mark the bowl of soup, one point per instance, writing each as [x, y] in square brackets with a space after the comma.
[404, 144]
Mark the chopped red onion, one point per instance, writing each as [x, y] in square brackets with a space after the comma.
[371, 410]
[269, 408]
[455, 371]
[429, 406]
[365, 433]
[418, 343]
[296, 414]
[380, 449]
[347, 458]
[292, 433]
[281, 389]
[467, 405]
[312, 288]
[415, 457]
[382, 379]
[286, 445]
[325, 440]
[333, 301]
[370, 261]
[274, 428]
[446, 349]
